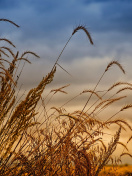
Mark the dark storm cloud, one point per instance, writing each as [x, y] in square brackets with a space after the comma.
[6, 4]
[104, 1]
[55, 19]
[117, 16]
[46, 26]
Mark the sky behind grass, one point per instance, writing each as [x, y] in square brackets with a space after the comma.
[46, 25]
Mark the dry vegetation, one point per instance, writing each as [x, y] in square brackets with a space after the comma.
[122, 170]
[65, 143]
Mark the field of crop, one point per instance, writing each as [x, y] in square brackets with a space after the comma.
[124, 170]
[65, 143]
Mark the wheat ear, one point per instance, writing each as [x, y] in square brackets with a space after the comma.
[8, 41]
[80, 27]
[115, 63]
[6, 20]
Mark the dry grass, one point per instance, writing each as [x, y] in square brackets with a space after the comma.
[65, 143]
[122, 170]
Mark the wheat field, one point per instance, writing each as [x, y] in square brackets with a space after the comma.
[117, 170]
[64, 143]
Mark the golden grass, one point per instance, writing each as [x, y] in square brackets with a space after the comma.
[122, 170]
[64, 143]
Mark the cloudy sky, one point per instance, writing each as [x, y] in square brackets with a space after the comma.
[45, 27]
